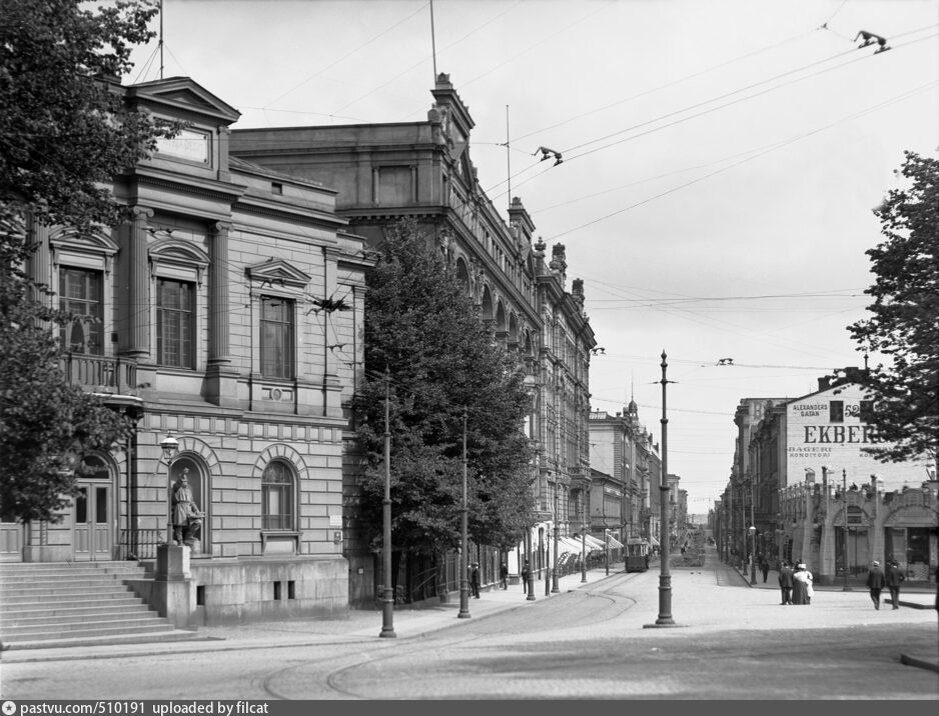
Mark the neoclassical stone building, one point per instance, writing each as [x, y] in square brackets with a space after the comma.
[423, 170]
[226, 315]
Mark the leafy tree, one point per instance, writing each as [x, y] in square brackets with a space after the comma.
[46, 424]
[903, 325]
[65, 133]
[440, 358]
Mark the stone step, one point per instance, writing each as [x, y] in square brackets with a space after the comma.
[138, 624]
[38, 585]
[74, 616]
[77, 608]
[65, 595]
[106, 640]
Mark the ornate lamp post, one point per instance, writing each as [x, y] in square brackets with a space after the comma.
[753, 538]
[665, 579]
[554, 569]
[464, 547]
[844, 514]
[388, 599]
[169, 447]
[583, 540]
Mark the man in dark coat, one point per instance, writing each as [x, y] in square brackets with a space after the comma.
[893, 577]
[504, 575]
[474, 579]
[875, 583]
[785, 582]
[764, 567]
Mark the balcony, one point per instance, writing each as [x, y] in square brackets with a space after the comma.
[100, 374]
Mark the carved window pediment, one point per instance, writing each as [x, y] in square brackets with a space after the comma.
[278, 272]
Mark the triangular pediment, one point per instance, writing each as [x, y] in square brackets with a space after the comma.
[185, 94]
[96, 240]
[277, 272]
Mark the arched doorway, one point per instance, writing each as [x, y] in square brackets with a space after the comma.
[93, 511]
[198, 483]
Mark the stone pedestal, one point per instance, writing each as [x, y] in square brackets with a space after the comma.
[172, 585]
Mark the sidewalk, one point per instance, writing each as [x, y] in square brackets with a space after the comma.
[918, 596]
[356, 625]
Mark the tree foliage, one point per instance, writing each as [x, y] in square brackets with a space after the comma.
[65, 131]
[65, 134]
[441, 359]
[903, 324]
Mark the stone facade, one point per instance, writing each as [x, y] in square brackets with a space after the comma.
[233, 296]
[424, 170]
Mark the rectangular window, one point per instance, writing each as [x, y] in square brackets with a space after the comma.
[866, 411]
[277, 331]
[836, 411]
[175, 323]
[80, 295]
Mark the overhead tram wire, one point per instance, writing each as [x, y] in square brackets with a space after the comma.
[770, 148]
[422, 61]
[664, 86]
[346, 56]
[693, 116]
[748, 87]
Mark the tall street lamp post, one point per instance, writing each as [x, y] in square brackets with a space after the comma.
[753, 536]
[169, 447]
[583, 538]
[665, 579]
[844, 514]
[464, 547]
[530, 582]
[606, 534]
[388, 599]
[554, 569]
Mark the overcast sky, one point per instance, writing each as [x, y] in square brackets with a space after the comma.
[720, 161]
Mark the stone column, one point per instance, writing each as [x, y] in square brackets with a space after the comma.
[135, 336]
[40, 262]
[221, 387]
[219, 304]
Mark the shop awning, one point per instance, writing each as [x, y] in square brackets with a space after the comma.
[615, 543]
[655, 542]
[593, 543]
[566, 544]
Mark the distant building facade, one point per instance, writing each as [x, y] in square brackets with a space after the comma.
[423, 170]
[622, 448]
[823, 500]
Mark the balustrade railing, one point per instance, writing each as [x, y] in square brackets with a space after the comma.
[140, 544]
[100, 373]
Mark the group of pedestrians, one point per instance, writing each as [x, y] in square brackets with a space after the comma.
[877, 579]
[795, 583]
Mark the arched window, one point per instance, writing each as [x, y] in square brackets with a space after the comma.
[277, 496]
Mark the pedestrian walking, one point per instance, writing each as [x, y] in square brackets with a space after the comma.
[526, 575]
[893, 576]
[504, 575]
[801, 585]
[875, 582]
[785, 582]
[474, 579]
[764, 568]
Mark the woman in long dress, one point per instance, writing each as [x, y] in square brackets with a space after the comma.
[801, 579]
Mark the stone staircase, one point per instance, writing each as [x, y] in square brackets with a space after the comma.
[56, 604]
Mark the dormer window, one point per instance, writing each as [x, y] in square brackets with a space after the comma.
[277, 188]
